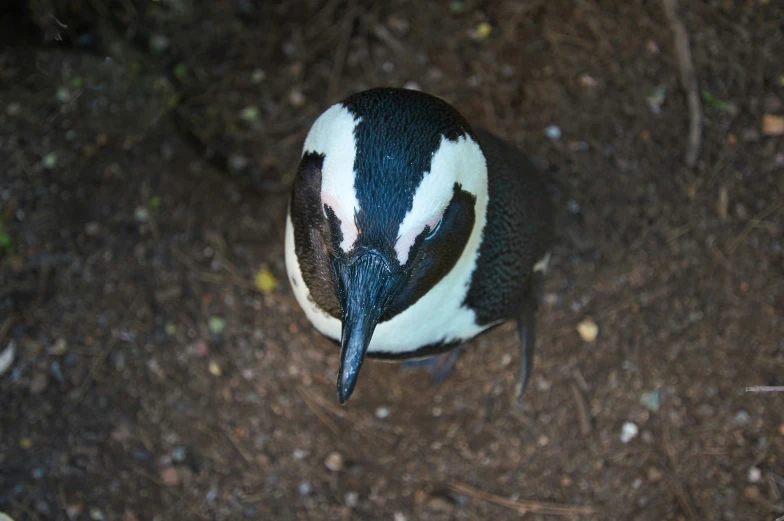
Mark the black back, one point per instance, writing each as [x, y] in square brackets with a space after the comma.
[518, 233]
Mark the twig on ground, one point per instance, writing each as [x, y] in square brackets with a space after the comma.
[102, 356]
[524, 506]
[683, 499]
[341, 52]
[5, 327]
[583, 415]
[770, 210]
[688, 80]
[168, 490]
[237, 446]
[316, 409]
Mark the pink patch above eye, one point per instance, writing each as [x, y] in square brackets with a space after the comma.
[404, 243]
[432, 223]
[347, 225]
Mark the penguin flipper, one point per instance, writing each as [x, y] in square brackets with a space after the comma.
[526, 328]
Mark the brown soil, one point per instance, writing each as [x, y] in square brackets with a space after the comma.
[139, 198]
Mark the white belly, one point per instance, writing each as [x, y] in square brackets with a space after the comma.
[436, 317]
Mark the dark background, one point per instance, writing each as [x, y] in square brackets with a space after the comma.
[143, 197]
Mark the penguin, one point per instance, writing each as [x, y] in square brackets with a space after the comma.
[410, 232]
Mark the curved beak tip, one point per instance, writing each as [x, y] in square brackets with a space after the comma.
[346, 382]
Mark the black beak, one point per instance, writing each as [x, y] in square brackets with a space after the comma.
[366, 284]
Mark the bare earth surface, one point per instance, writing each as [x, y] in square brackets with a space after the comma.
[158, 374]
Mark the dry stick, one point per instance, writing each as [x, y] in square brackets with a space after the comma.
[170, 491]
[360, 425]
[582, 411]
[104, 353]
[683, 498]
[314, 407]
[5, 327]
[688, 80]
[340, 53]
[524, 506]
[237, 446]
[770, 210]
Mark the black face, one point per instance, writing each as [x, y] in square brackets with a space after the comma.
[396, 138]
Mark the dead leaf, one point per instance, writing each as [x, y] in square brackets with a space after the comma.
[265, 281]
[772, 125]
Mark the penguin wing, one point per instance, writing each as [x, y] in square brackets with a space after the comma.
[518, 234]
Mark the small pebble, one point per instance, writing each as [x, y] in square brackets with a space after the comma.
[299, 454]
[587, 82]
[250, 113]
[650, 400]
[629, 431]
[755, 474]
[334, 461]
[553, 132]
[141, 214]
[588, 330]
[237, 162]
[214, 369]
[74, 510]
[388, 67]
[179, 454]
[59, 348]
[741, 418]
[63, 95]
[7, 356]
[654, 474]
[216, 325]
[96, 514]
[92, 228]
[751, 492]
[170, 476]
[49, 161]
[351, 499]
[140, 454]
[159, 42]
[382, 412]
[399, 517]
[440, 504]
[296, 98]
[304, 489]
[257, 76]
[13, 109]
[412, 85]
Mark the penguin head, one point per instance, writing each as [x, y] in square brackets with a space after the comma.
[390, 190]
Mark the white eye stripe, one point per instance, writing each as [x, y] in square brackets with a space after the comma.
[332, 135]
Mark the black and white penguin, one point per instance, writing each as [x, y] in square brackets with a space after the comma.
[409, 232]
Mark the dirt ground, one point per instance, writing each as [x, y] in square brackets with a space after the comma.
[158, 372]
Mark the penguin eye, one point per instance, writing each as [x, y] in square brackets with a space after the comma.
[434, 229]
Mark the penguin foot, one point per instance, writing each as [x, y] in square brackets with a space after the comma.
[440, 366]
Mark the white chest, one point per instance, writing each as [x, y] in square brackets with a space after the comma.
[437, 316]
